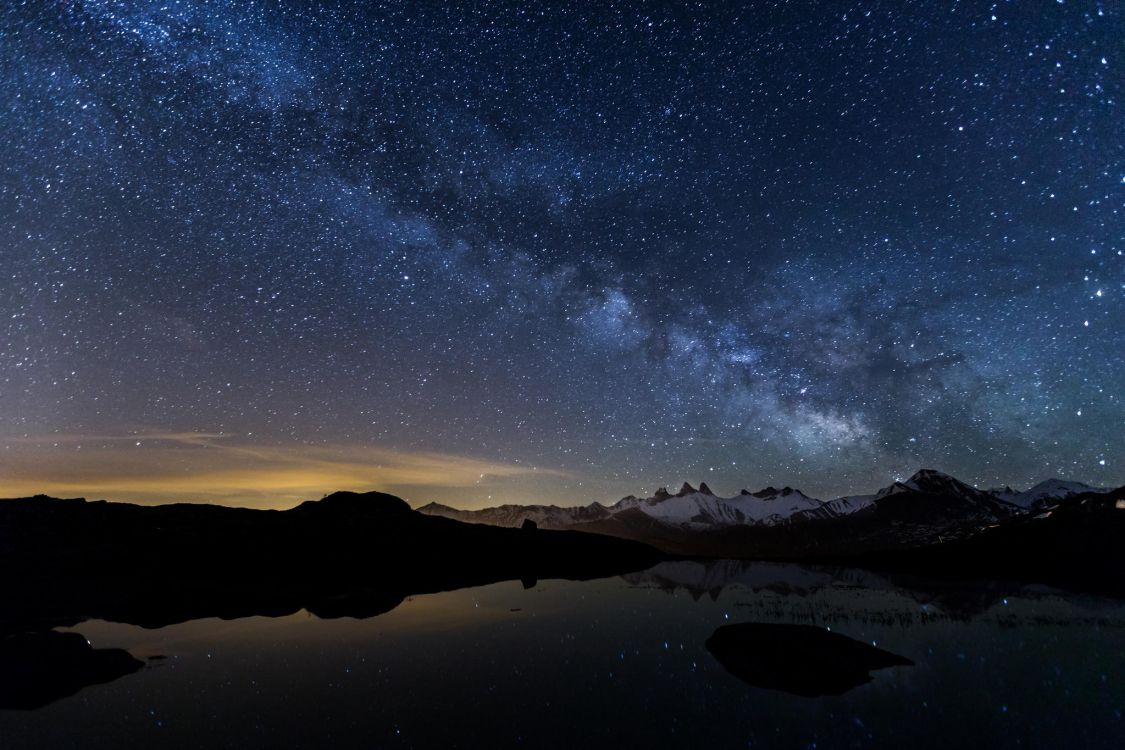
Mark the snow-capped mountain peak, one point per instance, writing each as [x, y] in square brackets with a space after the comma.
[842, 506]
[926, 494]
[932, 482]
[692, 507]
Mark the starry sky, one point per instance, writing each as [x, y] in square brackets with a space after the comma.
[254, 251]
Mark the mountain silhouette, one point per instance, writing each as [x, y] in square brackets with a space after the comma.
[355, 554]
[1075, 545]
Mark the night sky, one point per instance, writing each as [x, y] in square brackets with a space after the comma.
[252, 252]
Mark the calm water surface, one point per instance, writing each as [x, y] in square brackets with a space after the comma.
[614, 662]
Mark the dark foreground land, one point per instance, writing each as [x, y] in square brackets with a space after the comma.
[64, 561]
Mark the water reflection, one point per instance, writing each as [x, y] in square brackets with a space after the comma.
[646, 659]
[833, 594]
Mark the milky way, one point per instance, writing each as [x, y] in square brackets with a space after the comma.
[590, 250]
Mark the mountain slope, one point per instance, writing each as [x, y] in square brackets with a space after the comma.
[771, 523]
[1075, 545]
[689, 508]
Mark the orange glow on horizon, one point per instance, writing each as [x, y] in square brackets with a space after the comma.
[212, 468]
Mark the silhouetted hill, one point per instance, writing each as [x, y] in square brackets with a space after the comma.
[349, 553]
[352, 505]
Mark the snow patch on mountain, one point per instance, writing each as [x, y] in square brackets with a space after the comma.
[842, 506]
[1050, 491]
[702, 508]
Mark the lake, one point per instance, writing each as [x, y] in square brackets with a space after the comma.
[622, 662]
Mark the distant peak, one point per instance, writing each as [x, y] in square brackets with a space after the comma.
[772, 492]
[434, 506]
[705, 489]
[923, 476]
[1055, 482]
[1060, 488]
[662, 493]
[687, 489]
[930, 481]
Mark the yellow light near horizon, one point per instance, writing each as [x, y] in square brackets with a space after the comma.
[212, 469]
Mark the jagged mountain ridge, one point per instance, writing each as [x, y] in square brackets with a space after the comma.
[689, 507]
[692, 509]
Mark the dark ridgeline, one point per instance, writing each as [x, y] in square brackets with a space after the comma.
[1077, 545]
[800, 659]
[349, 554]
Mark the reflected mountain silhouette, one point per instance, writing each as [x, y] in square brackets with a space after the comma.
[37, 669]
[800, 659]
[709, 578]
[958, 598]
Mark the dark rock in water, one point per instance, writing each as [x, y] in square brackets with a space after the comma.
[529, 525]
[37, 669]
[799, 659]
